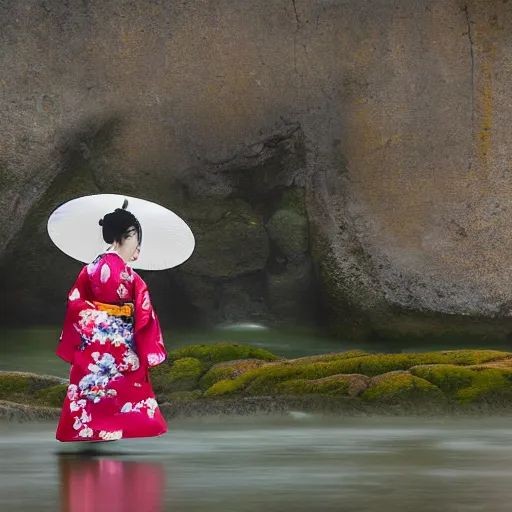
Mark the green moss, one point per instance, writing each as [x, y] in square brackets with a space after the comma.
[228, 370]
[221, 352]
[13, 386]
[52, 396]
[401, 388]
[184, 375]
[24, 387]
[294, 199]
[345, 292]
[265, 379]
[325, 358]
[289, 231]
[337, 385]
[469, 385]
[223, 387]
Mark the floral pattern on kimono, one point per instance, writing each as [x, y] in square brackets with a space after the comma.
[110, 394]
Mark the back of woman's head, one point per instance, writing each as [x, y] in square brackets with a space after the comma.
[120, 225]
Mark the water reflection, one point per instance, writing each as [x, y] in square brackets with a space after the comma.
[95, 485]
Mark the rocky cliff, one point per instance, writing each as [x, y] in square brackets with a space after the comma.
[342, 156]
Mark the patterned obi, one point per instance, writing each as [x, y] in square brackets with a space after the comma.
[108, 324]
[126, 310]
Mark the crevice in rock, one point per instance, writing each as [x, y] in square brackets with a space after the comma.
[296, 13]
[472, 56]
[295, 35]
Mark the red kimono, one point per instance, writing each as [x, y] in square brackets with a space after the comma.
[110, 395]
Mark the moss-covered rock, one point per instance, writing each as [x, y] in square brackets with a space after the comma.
[402, 387]
[469, 385]
[228, 370]
[24, 387]
[221, 352]
[264, 380]
[221, 226]
[289, 231]
[52, 396]
[184, 375]
[463, 380]
[184, 395]
[337, 385]
[222, 388]
[325, 358]
[294, 199]
[349, 293]
[16, 412]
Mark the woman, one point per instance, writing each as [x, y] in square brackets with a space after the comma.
[111, 337]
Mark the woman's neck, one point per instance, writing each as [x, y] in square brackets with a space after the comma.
[119, 251]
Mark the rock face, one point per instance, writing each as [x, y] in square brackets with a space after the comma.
[392, 118]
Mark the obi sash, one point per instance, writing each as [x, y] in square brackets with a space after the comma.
[126, 310]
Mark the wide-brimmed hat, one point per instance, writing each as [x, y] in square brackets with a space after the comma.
[74, 228]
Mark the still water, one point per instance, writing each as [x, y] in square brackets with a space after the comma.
[33, 349]
[295, 462]
[248, 464]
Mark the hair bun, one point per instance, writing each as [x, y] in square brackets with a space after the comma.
[100, 222]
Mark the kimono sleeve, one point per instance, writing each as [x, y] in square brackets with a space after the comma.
[78, 300]
[148, 334]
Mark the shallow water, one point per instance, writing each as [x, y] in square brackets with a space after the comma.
[34, 349]
[299, 463]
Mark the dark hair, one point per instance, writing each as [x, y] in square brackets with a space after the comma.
[120, 225]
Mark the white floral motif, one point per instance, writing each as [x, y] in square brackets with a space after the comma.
[149, 406]
[152, 407]
[85, 418]
[111, 436]
[72, 393]
[131, 362]
[75, 294]
[154, 359]
[146, 304]
[86, 432]
[122, 291]
[91, 268]
[105, 273]
[127, 407]
[126, 276]
[82, 419]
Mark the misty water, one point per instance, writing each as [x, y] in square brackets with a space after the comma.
[295, 462]
[247, 464]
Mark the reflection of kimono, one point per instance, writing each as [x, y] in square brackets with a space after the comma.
[110, 351]
[111, 485]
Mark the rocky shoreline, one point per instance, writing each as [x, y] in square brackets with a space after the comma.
[230, 379]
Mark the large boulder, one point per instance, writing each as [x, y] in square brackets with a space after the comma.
[393, 118]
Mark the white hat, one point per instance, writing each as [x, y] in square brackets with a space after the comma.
[74, 228]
